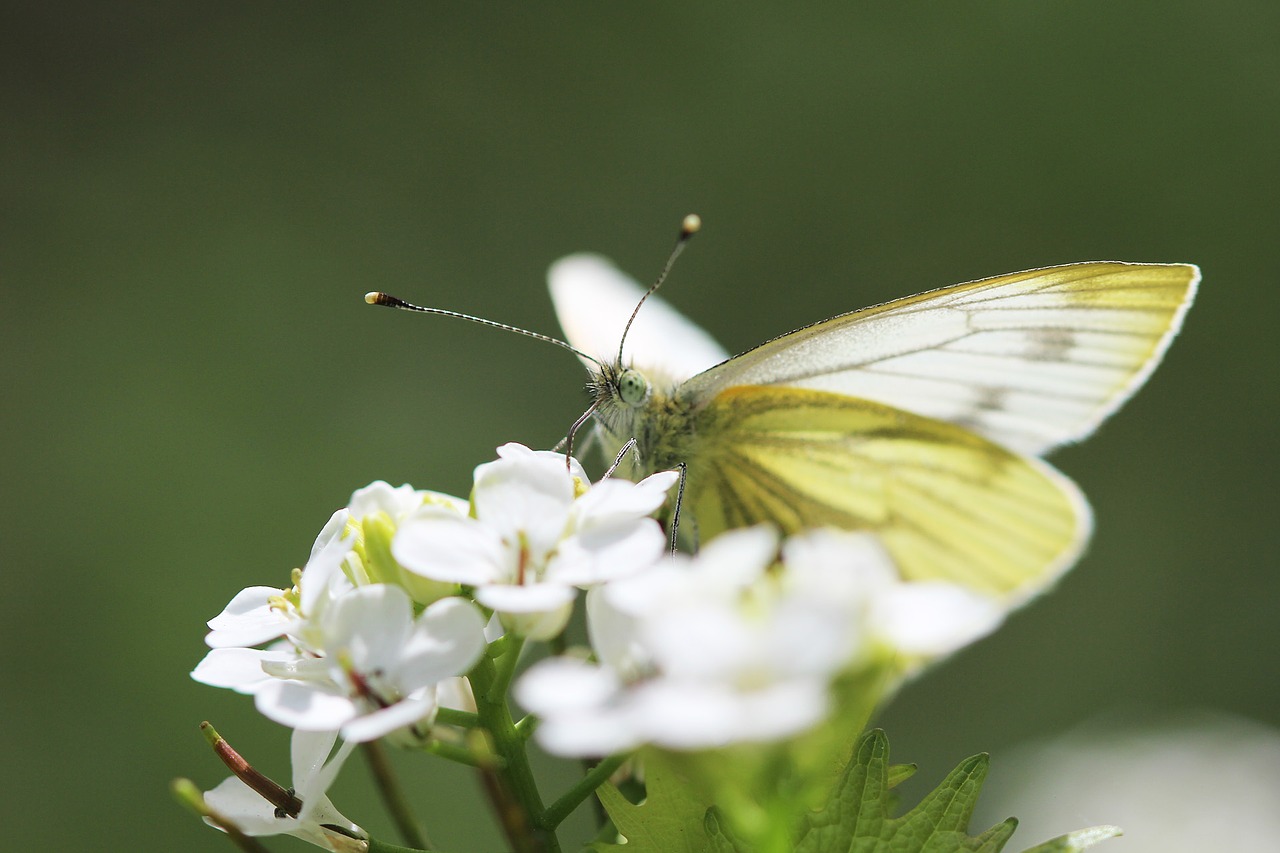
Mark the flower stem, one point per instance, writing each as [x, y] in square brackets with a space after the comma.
[508, 780]
[454, 717]
[505, 670]
[452, 752]
[585, 787]
[393, 796]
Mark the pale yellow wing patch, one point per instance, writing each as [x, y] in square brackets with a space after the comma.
[947, 503]
[1030, 360]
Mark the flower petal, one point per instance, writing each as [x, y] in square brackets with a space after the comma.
[421, 706]
[239, 669]
[247, 620]
[447, 640]
[369, 626]
[304, 706]
[444, 546]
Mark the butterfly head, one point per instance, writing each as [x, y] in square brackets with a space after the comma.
[631, 387]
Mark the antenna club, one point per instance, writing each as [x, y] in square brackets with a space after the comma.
[691, 225]
[373, 297]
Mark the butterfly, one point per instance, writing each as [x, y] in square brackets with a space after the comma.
[921, 420]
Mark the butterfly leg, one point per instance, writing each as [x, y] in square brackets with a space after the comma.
[617, 460]
[675, 512]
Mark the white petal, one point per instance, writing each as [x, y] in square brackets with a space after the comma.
[611, 499]
[516, 451]
[738, 556]
[525, 495]
[589, 735]
[299, 668]
[239, 669]
[933, 617]
[246, 808]
[447, 640]
[607, 551]
[308, 752]
[370, 627]
[536, 611]
[707, 641]
[322, 575]
[650, 590]
[813, 636]
[456, 693]
[384, 721]
[858, 556]
[558, 685]
[330, 533]
[441, 545]
[304, 706]
[314, 770]
[247, 620]
[381, 496]
[526, 598]
[686, 715]
[781, 709]
[614, 634]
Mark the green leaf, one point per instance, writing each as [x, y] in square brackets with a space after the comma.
[899, 773]
[672, 817]
[856, 817]
[1081, 839]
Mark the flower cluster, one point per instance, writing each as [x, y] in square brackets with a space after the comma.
[741, 643]
[407, 594]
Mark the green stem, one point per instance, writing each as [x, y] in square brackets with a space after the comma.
[454, 717]
[505, 670]
[586, 786]
[509, 781]
[526, 725]
[393, 796]
[452, 752]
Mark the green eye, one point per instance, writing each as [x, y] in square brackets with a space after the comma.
[632, 387]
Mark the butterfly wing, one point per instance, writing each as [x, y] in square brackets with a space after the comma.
[1030, 360]
[593, 300]
[947, 503]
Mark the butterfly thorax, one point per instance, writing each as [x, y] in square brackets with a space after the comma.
[629, 406]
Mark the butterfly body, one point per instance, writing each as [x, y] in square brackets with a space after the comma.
[920, 419]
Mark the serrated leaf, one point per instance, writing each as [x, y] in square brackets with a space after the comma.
[671, 818]
[856, 817]
[900, 773]
[1081, 839]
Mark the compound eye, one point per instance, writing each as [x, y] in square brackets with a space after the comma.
[632, 387]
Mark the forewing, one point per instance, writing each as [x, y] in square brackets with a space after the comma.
[593, 300]
[947, 503]
[1030, 360]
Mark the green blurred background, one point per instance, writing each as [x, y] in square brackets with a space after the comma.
[195, 197]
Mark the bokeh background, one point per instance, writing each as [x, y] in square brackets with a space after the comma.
[195, 197]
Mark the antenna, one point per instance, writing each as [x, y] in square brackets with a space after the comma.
[688, 227]
[375, 297]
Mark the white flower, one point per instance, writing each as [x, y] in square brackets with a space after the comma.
[379, 666]
[347, 554]
[733, 646]
[917, 620]
[259, 614]
[313, 773]
[539, 530]
[398, 502]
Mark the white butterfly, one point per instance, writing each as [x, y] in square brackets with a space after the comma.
[920, 419]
